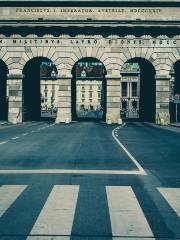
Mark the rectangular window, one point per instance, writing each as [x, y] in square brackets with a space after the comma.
[90, 94]
[134, 89]
[124, 89]
[83, 96]
[99, 94]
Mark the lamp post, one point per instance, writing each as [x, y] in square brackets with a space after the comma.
[53, 74]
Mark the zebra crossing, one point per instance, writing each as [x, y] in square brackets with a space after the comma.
[58, 213]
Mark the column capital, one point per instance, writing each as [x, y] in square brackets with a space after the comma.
[15, 76]
[109, 77]
[162, 77]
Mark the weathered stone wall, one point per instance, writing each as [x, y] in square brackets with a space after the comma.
[65, 51]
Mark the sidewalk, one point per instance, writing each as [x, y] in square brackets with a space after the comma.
[2, 123]
[175, 124]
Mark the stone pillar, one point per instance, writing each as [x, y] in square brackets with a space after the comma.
[162, 99]
[64, 100]
[14, 93]
[113, 100]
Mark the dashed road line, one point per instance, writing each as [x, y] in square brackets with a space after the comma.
[25, 134]
[14, 138]
[3, 142]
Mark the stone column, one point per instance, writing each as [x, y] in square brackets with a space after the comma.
[162, 99]
[64, 100]
[14, 93]
[113, 99]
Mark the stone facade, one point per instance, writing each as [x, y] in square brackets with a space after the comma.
[113, 51]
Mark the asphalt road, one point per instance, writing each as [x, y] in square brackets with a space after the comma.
[82, 205]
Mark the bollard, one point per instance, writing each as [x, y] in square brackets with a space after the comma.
[120, 121]
[109, 121]
[67, 120]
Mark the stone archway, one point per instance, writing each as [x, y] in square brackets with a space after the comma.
[34, 74]
[3, 91]
[88, 90]
[145, 92]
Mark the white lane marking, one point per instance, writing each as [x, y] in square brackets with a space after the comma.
[14, 138]
[24, 134]
[57, 215]
[172, 196]
[8, 194]
[3, 142]
[127, 217]
[128, 153]
[52, 238]
[70, 171]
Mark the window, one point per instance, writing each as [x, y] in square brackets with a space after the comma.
[90, 94]
[124, 89]
[99, 94]
[83, 95]
[124, 105]
[134, 104]
[83, 88]
[134, 89]
[90, 88]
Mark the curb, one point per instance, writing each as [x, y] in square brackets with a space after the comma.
[174, 125]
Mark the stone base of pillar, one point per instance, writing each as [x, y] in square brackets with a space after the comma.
[112, 117]
[14, 118]
[162, 118]
[64, 116]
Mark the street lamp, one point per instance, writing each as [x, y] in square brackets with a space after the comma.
[53, 74]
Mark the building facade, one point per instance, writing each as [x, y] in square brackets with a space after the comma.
[114, 34]
[130, 91]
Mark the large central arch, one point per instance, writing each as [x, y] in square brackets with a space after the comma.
[32, 97]
[147, 90]
[88, 90]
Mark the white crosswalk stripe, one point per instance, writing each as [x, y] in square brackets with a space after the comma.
[8, 194]
[126, 215]
[172, 196]
[57, 215]
[56, 218]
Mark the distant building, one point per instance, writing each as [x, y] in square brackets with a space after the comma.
[130, 90]
[48, 85]
[88, 94]
[49, 90]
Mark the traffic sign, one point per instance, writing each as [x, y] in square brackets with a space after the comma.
[176, 98]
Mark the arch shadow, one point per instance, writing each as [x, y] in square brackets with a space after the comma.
[147, 90]
[32, 88]
[3, 91]
[174, 109]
